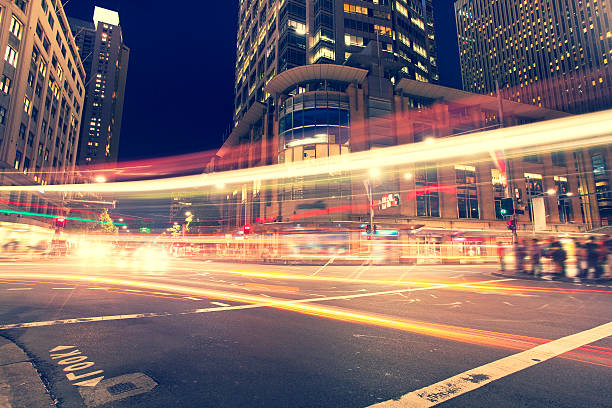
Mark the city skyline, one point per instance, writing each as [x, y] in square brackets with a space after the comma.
[143, 138]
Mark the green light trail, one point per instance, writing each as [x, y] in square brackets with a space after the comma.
[56, 216]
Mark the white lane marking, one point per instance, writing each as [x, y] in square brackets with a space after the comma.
[332, 259]
[97, 288]
[63, 288]
[123, 317]
[470, 380]
[220, 304]
[20, 289]
[219, 309]
[191, 298]
[264, 295]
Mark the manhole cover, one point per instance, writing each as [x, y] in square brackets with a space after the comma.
[121, 388]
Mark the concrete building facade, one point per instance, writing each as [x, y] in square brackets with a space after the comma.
[41, 99]
[105, 58]
[329, 110]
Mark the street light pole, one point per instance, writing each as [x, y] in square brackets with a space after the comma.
[368, 187]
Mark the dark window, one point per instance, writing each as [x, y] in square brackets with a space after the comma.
[558, 159]
[467, 196]
[2, 115]
[428, 200]
[22, 131]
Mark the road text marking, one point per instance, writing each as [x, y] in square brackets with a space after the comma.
[470, 380]
[72, 362]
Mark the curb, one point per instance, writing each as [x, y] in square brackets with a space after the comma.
[524, 276]
[20, 382]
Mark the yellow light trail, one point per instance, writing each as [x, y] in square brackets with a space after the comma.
[303, 306]
[385, 282]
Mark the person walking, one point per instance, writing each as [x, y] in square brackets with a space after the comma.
[558, 256]
[594, 257]
[519, 256]
[501, 253]
[607, 244]
[536, 257]
[581, 261]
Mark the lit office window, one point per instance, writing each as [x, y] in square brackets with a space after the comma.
[5, 84]
[11, 56]
[16, 27]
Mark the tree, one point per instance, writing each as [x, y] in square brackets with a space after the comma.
[176, 231]
[107, 223]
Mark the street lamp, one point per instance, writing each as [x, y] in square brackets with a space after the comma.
[374, 172]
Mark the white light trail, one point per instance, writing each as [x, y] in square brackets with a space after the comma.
[569, 133]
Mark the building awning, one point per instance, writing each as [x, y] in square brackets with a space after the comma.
[252, 116]
[438, 92]
[332, 72]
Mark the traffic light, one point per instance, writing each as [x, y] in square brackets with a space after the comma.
[374, 229]
[246, 229]
[60, 222]
[507, 206]
[368, 229]
[512, 225]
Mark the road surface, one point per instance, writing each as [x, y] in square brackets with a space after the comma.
[205, 334]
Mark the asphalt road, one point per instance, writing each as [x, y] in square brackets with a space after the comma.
[195, 334]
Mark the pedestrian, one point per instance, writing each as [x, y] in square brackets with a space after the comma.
[535, 254]
[608, 248]
[519, 256]
[581, 261]
[501, 253]
[594, 257]
[558, 256]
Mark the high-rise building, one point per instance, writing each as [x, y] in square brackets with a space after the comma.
[275, 36]
[41, 99]
[551, 53]
[105, 58]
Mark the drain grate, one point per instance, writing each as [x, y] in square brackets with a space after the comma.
[121, 388]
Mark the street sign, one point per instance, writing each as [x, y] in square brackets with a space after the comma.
[389, 200]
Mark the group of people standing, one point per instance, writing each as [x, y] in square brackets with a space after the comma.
[593, 257]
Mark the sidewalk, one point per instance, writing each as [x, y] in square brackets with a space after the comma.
[20, 383]
[605, 280]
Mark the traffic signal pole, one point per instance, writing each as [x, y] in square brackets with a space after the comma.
[507, 170]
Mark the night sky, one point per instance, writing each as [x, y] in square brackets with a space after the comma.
[179, 96]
